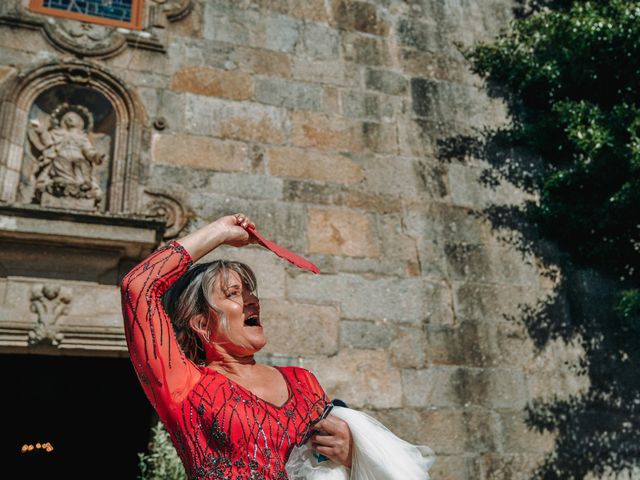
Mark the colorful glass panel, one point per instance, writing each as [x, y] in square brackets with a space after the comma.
[117, 13]
[120, 10]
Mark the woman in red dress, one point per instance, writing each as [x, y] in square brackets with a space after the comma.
[192, 332]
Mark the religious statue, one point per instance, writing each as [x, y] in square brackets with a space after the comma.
[65, 159]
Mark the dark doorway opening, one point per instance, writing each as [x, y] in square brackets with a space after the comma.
[92, 411]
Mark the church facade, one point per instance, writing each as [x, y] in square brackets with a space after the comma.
[128, 124]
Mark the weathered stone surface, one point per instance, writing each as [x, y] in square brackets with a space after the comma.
[478, 262]
[449, 104]
[308, 9]
[361, 378]
[483, 302]
[360, 105]
[442, 430]
[235, 120]
[335, 194]
[330, 100]
[233, 25]
[199, 152]
[520, 438]
[282, 33]
[416, 140]
[396, 244]
[263, 62]
[29, 41]
[320, 42]
[360, 334]
[468, 343]
[386, 81]
[365, 50]
[360, 16]
[409, 347]
[288, 327]
[326, 133]
[410, 300]
[453, 467]
[5, 72]
[480, 195]
[288, 94]
[437, 66]
[553, 372]
[340, 232]
[202, 52]
[166, 177]
[494, 466]
[246, 186]
[449, 386]
[311, 165]
[330, 72]
[391, 175]
[380, 137]
[437, 26]
[171, 108]
[213, 82]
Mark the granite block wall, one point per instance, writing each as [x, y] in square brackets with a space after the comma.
[321, 120]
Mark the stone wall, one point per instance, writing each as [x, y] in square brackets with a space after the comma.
[320, 119]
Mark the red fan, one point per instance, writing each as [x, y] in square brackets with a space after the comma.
[282, 252]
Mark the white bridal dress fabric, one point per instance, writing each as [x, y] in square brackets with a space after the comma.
[378, 455]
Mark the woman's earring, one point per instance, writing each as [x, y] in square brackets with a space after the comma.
[206, 337]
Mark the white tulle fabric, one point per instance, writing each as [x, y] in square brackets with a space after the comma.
[378, 454]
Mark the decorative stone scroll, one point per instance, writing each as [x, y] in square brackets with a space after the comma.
[92, 40]
[168, 207]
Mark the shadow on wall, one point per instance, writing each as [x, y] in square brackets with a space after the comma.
[594, 431]
[597, 431]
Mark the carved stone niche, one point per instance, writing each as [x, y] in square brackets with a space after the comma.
[71, 130]
[92, 40]
[75, 212]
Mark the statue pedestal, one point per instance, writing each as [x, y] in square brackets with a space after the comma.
[68, 203]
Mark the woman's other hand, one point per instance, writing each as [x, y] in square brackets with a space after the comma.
[233, 230]
[333, 440]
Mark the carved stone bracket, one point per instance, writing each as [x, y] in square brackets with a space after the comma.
[91, 40]
[169, 208]
[49, 303]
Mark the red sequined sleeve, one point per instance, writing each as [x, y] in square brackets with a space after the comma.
[166, 375]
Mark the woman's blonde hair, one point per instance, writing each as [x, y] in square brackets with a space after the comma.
[192, 296]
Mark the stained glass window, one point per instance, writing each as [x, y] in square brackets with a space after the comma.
[117, 13]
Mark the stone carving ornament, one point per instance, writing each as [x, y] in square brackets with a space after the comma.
[168, 207]
[49, 303]
[66, 157]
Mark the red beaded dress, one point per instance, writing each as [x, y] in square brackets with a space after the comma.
[220, 429]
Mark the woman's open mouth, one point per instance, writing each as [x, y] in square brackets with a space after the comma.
[252, 321]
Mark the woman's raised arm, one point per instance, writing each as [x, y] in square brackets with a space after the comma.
[165, 373]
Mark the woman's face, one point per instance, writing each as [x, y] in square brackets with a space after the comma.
[241, 307]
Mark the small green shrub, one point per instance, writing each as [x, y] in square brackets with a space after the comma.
[162, 461]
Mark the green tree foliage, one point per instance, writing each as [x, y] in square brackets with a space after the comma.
[571, 75]
[162, 461]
